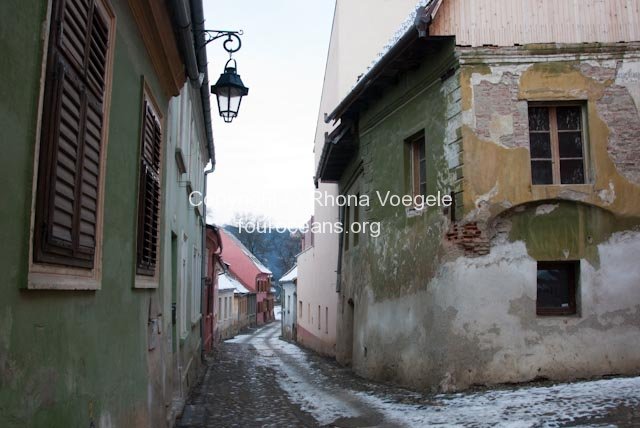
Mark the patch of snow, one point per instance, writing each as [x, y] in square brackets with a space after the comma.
[304, 385]
[406, 25]
[529, 406]
[291, 275]
[549, 406]
[228, 282]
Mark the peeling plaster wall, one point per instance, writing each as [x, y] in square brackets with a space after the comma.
[475, 323]
[443, 306]
[497, 84]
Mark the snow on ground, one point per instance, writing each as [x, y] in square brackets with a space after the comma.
[301, 381]
[307, 385]
[549, 406]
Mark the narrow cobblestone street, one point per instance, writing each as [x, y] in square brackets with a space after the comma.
[258, 380]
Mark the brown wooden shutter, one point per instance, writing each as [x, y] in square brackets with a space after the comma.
[149, 193]
[71, 140]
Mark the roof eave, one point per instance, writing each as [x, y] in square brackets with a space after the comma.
[419, 29]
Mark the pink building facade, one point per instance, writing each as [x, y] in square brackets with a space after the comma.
[255, 276]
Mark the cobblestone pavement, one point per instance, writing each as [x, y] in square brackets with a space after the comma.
[237, 391]
[258, 380]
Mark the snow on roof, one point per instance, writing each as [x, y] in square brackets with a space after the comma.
[227, 282]
[262, 268]
[406, 25]
[409, 24]
[291, 275]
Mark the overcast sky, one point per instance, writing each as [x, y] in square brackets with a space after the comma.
[265, 156]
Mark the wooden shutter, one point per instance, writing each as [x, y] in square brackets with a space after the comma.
[149, 193]
[71, 140]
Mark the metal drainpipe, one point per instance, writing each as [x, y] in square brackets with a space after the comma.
[340, 246]
[204, 260]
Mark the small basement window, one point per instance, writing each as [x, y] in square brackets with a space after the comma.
[556, 143]
[557, 283]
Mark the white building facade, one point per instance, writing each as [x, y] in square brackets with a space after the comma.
[289, 303]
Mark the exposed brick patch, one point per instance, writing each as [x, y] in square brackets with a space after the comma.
[469, 238]
[601, 74]
[492, 100]
[619, 112]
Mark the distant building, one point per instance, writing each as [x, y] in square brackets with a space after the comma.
[225, 315]
[242, 305]
[254, 275]
[527, 117]
[289, 303]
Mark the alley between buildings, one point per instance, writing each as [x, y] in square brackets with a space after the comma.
[259, 380]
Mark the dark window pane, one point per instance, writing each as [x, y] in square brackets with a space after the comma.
[553, 287]
[556, 288]
[423, 171]
[541, 172]
[540, 145]
[572, 171]
[570, 144]
[568, 118]
[538, 118]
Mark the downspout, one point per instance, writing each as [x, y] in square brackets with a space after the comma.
[340, 245]
[203, 282]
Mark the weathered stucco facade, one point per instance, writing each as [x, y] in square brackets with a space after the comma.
[75, 351]
[445, 298]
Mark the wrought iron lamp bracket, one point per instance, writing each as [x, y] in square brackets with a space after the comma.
[232, 44]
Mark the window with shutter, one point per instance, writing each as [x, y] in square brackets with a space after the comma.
[71, 143]
[149, 192]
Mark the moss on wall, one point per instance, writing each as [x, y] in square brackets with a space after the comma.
[404, 256]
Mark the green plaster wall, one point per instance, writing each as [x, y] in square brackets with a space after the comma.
[404, 256]
[564, 229]
[71, 358]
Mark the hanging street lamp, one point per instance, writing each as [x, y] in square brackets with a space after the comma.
[229, 88]
[229, 91]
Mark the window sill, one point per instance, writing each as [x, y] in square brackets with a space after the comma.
[62, 280]
[577, 192]
[144, 282]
